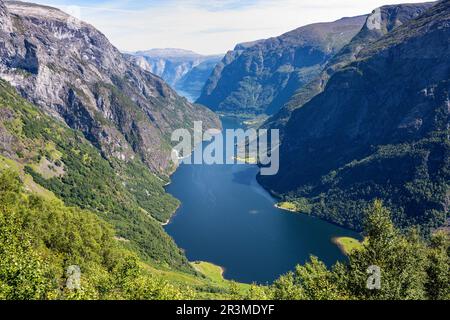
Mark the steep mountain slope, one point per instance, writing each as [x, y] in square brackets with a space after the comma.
[380, 129]
[186, 71]
[71, 71]
[259, 77]
[379, 23]
[49, 156]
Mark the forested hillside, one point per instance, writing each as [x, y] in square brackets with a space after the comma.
[72, 72]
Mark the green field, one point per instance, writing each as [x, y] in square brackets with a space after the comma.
[208, 284]
[289, 206]
[347, 244]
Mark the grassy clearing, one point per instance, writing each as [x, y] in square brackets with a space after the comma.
[211, 271]
[248, 160]
[27, 180]
[347, 244]
[209, 284]
[215, 273]
[289, 206]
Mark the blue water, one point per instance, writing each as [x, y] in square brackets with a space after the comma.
[228, 219]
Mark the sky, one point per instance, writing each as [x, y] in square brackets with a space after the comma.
[205, 26]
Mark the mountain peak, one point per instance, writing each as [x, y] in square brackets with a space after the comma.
[33, 9]
[378, 129]
[168, 53]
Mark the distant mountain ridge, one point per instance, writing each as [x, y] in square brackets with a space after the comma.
[185, 70]
[381, 21]
[259, 77]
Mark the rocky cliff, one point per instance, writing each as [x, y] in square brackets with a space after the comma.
[72, 71]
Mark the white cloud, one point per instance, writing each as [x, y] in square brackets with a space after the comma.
[213, 26]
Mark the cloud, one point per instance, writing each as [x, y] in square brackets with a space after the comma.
[213, 26]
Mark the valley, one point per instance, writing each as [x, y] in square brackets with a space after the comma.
[88, 178]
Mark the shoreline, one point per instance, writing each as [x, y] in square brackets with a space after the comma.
[277, 205]
[171, 215]
[347, 244]
[172, 172]
[199, 262]
[337, 242]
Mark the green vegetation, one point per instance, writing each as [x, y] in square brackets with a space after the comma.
[248, 160]
[410, 267]
[347, 244]
[40, 239]
[213, 272]
[127, 257]
[413, 187]
[289, 206]
[367, 136]
[295, 205]
[127, 195]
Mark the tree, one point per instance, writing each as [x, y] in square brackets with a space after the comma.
[400, 259]
[22, 271]
[438, 268]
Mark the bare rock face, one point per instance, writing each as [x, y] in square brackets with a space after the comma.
[72, 71]
[5, 22]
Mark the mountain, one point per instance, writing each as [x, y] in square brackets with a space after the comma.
[380, 22]
[379, 129]
[260, 76]
[72, 71]
[80, 123]
[186, 71]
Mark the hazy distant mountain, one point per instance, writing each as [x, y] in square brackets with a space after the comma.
[186, 71]
[259, 77]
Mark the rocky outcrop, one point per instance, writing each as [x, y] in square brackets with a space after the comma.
[259, 77]
[380, 129]
[72, 71]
